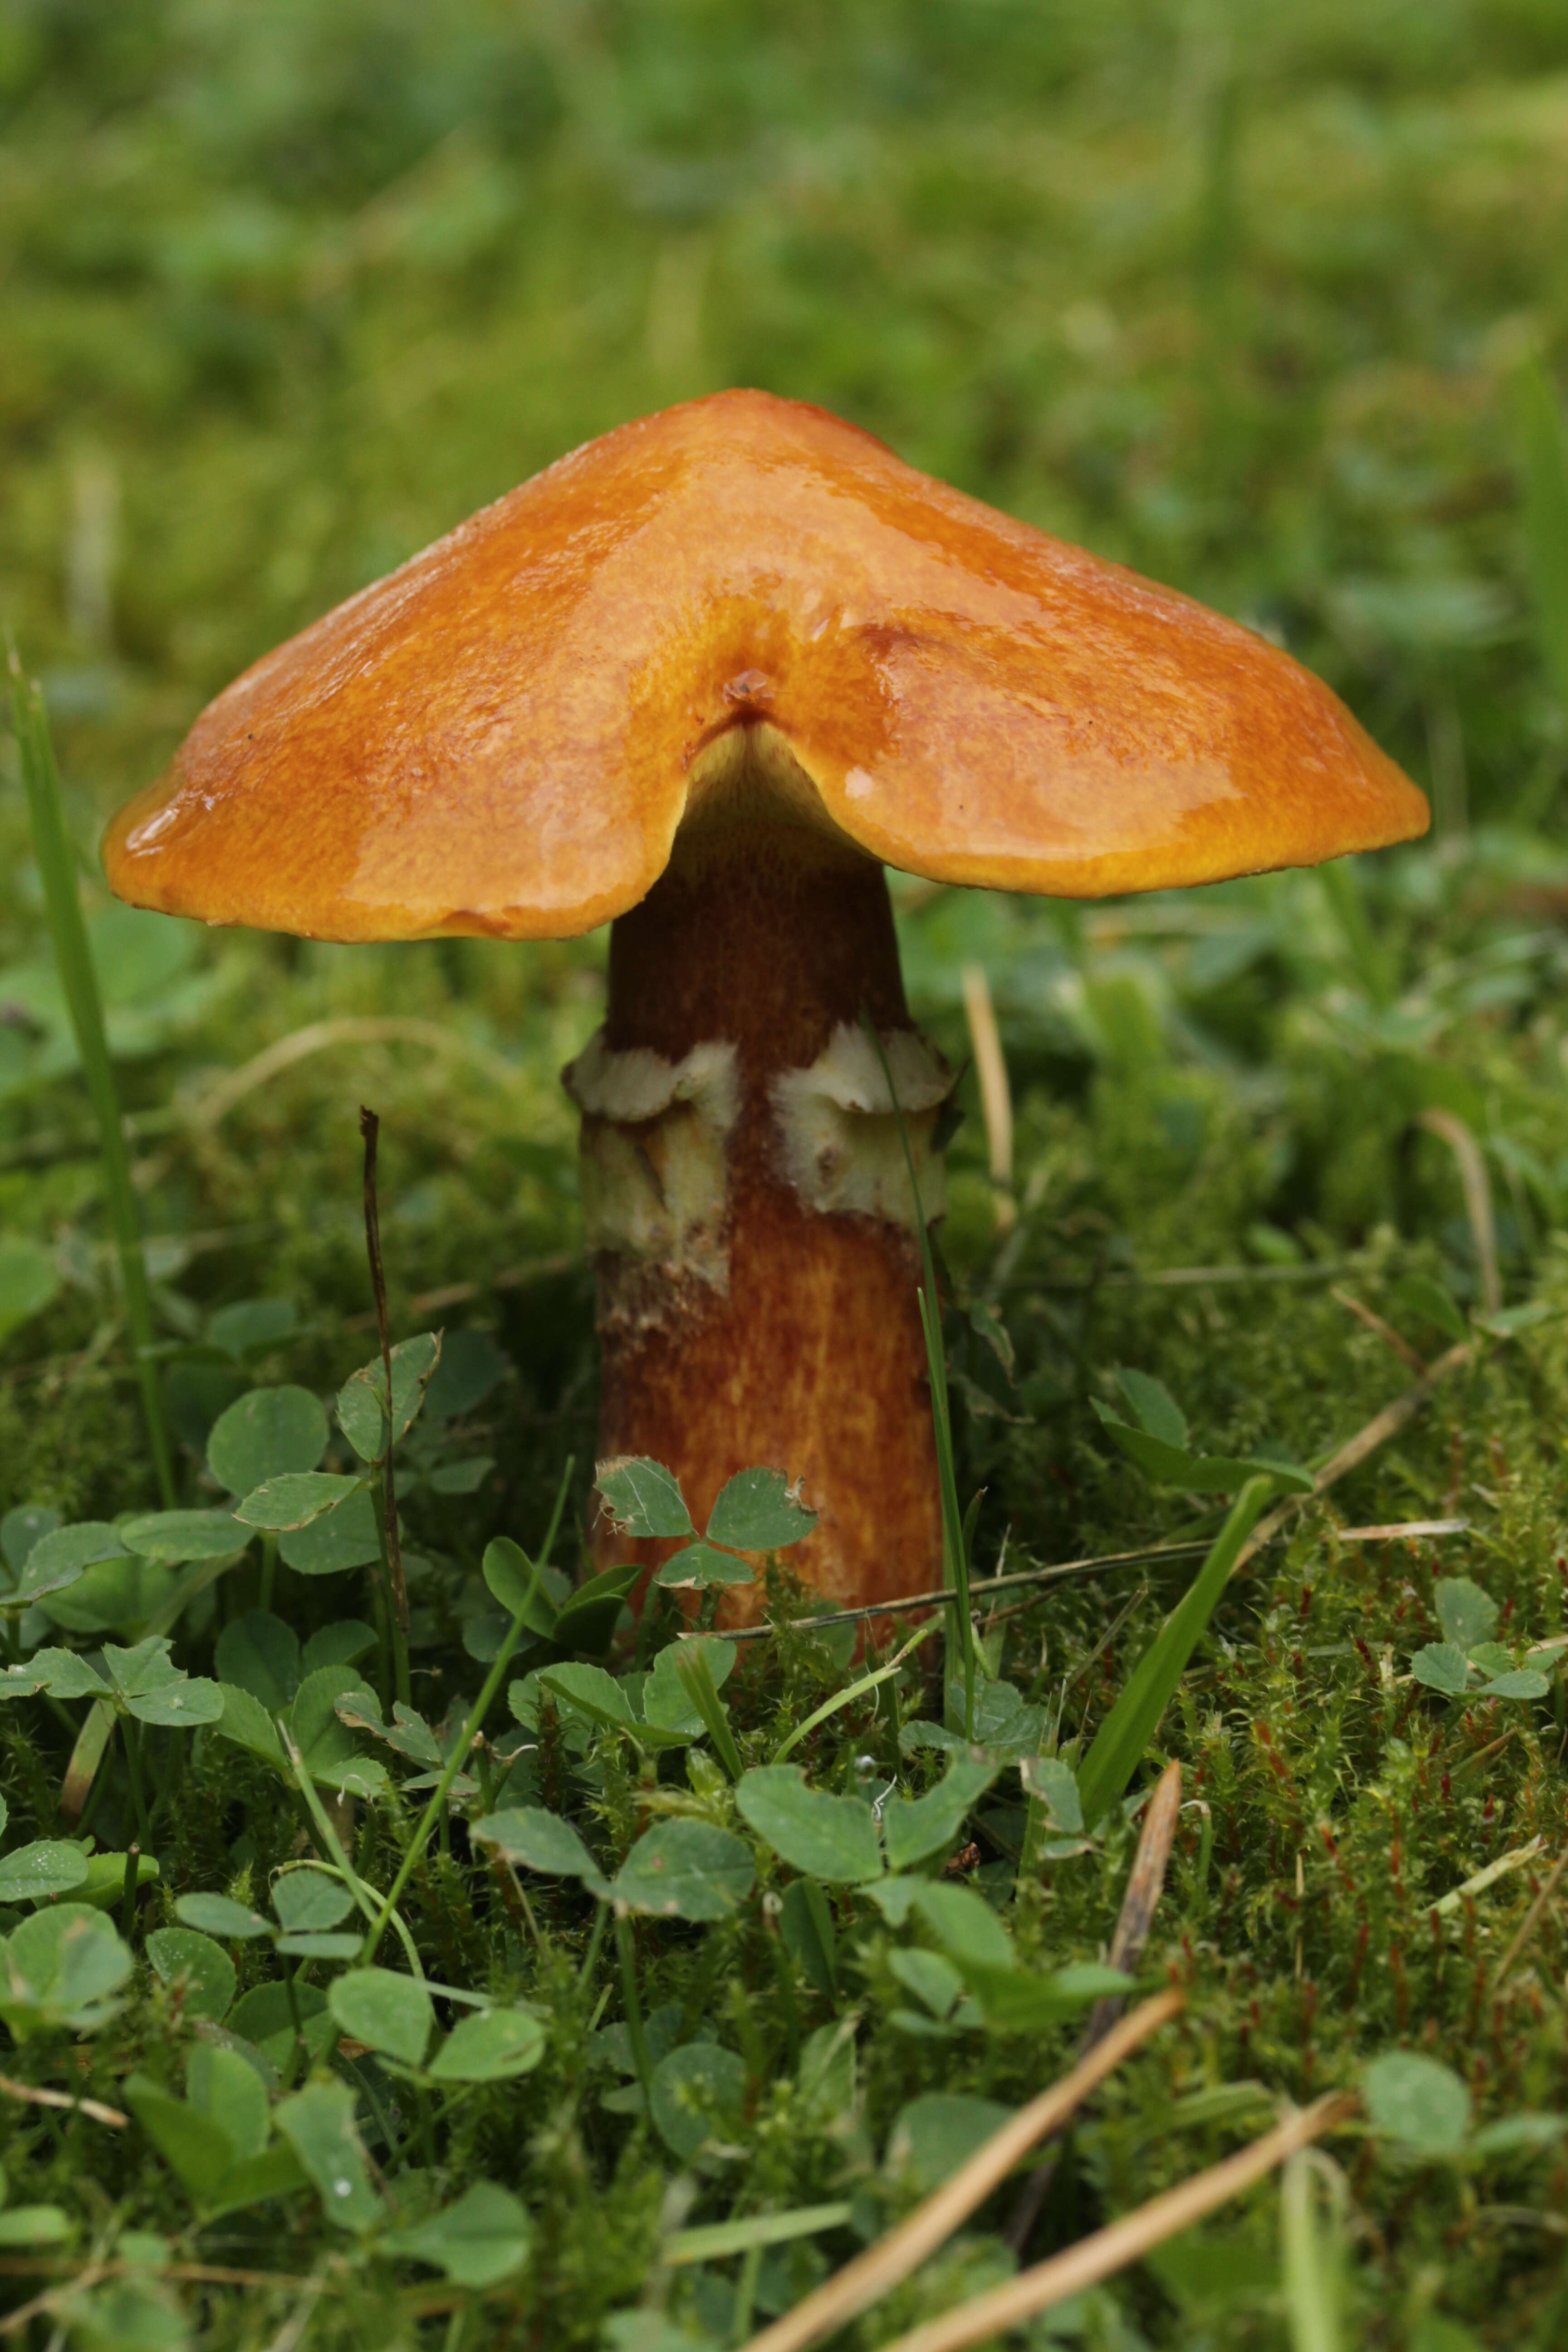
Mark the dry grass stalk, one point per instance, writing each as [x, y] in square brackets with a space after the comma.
[1478, 1191]
[215, 1101]
[1404, 1531]
[1385, 1331]
[1355, 1450]
[36, 2094]
[1530, 1922]
[995, 1094]
[1145, 1884]
[1127, 2240]
[871, 2274]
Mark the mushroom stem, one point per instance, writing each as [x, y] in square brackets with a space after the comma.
[747, 1197]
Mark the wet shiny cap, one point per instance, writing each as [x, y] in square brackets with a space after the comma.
[504, 736]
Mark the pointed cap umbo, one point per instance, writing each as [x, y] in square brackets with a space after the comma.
[503, 736]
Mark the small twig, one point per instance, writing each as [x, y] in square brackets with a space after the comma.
[370, 1127]
[1528, 2217]
[1532, 1919]
[980, 1587]
[210, 2274]
[871, 2274]
[1127, 2240]
[1145, 1884]
[1478, 1191]
[35, 2095]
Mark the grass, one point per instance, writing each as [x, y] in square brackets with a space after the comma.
[1269, 305]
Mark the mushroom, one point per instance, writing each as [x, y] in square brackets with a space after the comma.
[702, 680]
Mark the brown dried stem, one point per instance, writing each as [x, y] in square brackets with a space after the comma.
[871, 2274]
[37, 2094]
[370, 1127]
[1532, 1921]
[1355, 1450]
[1145, 1886]
[1477, 1188]
[1127, 2240]
[995, 1094]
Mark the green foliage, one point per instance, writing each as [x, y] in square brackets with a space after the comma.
[916, 1829]
[539, 1841]
[294, 1500]
[1545, 452]
[697, 2093]
[1157, 1443]
[1416, 2102]
[29, 1279]
[685, 1870]
[479, 2240]
[216, 2139]
[200, 1969]
[755, 1512]
[1124, 1736]
[1467, 1658]
[319, 2124]
[1269, 305]
[362, 1400]
[937, 2132]
[143, 1683]
[387, 2012]
[269, 1433]
[829, 1838]
[63, 1967]
[494, 2047]
[33, 1874]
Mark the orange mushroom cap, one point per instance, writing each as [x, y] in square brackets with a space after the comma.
[501, 737]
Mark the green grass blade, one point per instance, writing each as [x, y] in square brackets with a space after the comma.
[1036, 1818]
[475, 1723]
[1342, 888]
[1127, 1730]
[697, 1682]
[844, 1698]
[631, 1999]
[73, 957]
[1312, 2260]
[954, 1556]
[1543, 437]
